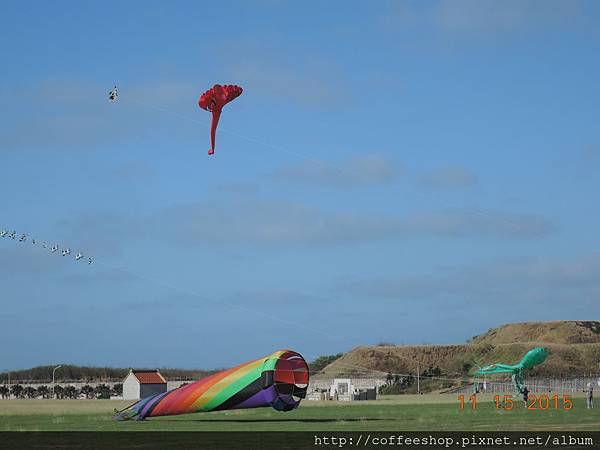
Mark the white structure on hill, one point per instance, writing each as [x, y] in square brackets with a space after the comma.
[143, 383]
[344, 389]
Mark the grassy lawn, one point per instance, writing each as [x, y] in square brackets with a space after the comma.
[394, 413]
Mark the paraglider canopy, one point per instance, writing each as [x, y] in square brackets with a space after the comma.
[213, 101]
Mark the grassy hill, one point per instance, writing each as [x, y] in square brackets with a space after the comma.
[558, 332]
[574, 349]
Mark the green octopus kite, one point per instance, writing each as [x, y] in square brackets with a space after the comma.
[532, 358]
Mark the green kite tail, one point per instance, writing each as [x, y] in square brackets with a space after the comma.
[531, 359]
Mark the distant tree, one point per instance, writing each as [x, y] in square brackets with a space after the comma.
[323, 361]
[17, 390]
[59, 391]
[88, 391]
[394, 389]
[389, 379]
[395, 384]
[117, 389]
[30, 392]
[43, 374]
[102, 392]
[432, 372]
[4, 391]
[71, 392]
[43, 391]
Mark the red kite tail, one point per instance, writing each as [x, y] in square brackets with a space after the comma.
[216, 114]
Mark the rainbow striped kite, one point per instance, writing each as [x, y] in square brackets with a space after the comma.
[279, 380]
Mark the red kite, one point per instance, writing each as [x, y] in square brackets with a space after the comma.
[213, 100]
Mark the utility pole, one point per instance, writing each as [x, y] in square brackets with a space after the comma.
[54, 370]
[418, 379]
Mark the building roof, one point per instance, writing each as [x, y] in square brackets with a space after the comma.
[149, 376]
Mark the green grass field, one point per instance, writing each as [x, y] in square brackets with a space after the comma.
[394, 413]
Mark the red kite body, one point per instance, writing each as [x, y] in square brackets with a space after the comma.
[213, 100]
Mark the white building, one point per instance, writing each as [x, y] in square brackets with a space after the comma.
[140, 384]
[344, 389]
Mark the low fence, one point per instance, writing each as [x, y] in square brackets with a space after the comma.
[561, 385]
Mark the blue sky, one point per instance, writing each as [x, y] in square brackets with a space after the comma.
[411, 172]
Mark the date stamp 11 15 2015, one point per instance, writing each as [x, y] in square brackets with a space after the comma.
[533, 403]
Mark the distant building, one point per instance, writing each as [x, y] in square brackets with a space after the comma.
[345, 389]
[143, 383]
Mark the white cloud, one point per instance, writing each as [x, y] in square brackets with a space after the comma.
[357, 170]
[253, 221]
[549, 281]
[269, 222]
[449, 177]
[489, 17]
